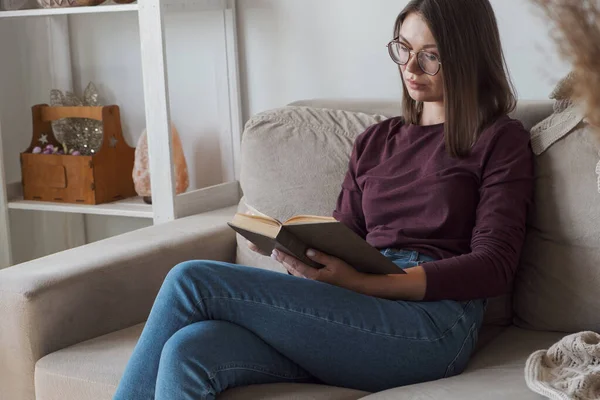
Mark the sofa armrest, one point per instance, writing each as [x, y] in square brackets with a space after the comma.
[69, 297]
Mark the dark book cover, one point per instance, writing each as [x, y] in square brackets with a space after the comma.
[333, 238]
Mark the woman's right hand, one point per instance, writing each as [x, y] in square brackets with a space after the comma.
[254, 248]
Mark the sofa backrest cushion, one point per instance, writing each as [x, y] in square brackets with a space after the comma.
[558, 284]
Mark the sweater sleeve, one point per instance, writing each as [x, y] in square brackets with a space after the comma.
[506, 194]
[349, 204]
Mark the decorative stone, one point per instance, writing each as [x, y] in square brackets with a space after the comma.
[141, 168]
[37, 150]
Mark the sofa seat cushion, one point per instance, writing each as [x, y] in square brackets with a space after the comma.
[92, 370]
[495, 373]
[88, 370]
[292, 391]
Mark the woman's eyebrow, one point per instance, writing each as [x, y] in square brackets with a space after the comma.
[427, 46]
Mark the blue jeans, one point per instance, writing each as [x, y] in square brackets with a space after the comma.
[216, 326]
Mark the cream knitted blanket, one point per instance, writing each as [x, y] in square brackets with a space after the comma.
[567, 116]
[569, 370]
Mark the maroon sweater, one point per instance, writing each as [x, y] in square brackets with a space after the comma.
[404, 191]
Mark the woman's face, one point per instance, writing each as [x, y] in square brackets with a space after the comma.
[416, 36]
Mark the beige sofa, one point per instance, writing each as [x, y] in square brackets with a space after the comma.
[69, 322]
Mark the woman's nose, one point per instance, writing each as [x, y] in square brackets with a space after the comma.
[413, 65]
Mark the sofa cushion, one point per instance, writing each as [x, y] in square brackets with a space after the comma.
[495, 373]
[292, 391]
[88, 370]
[92, 370]
[295, 158]
[557, 285]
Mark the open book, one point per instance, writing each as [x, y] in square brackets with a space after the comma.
[301, 233]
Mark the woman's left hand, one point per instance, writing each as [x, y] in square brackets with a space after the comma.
[336, 272]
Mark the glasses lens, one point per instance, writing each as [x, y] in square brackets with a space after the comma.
[399, 53]
[429, 63]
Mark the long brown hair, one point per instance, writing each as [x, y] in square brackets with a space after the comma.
[477, 87]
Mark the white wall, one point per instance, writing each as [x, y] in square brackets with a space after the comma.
[297, 49]
[290, 50]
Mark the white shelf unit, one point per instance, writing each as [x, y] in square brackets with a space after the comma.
[166, 205]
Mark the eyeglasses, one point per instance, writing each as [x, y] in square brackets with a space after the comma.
[428, 62]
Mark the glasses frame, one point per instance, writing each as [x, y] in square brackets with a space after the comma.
[412, 53]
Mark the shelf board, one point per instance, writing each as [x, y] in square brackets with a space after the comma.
[46, 12]
[190, 203]
[133, 207]
[170, 5]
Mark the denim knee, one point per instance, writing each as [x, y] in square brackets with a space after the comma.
[182, 272]
[179, 356]
[205, 343]
[177, 350]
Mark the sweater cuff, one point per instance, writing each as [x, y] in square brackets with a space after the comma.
[441, 276]
[433, 282]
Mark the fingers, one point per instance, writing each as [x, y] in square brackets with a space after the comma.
[295, 266]
[291, 270]
[319, 257]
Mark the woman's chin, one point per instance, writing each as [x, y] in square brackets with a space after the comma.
[419, 98]
[422, 96]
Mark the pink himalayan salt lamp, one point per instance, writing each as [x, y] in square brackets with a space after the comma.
[141, 168]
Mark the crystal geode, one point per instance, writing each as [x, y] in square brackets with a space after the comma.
[78, 134]
[56, 3]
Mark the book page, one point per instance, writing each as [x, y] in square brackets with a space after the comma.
[308, 219]
[257, 218]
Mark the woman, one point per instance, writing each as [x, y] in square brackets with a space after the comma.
[443, 192]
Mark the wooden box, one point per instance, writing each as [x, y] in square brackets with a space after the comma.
[100, 178]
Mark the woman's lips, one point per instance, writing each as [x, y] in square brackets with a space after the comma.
[415, 86]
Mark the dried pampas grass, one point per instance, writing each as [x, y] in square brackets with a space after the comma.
[578, 38]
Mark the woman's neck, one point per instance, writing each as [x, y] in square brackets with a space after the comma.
[433, 114]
